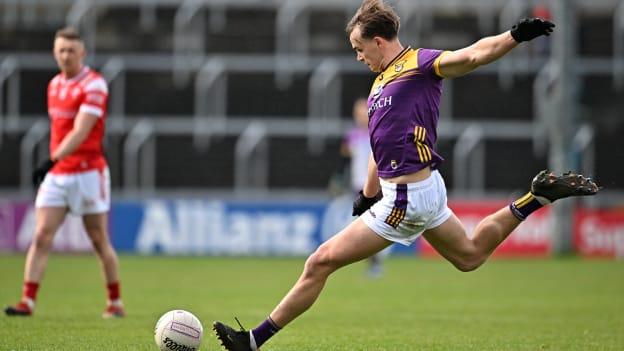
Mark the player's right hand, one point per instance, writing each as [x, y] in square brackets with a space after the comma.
[40, 172]
[363, 203]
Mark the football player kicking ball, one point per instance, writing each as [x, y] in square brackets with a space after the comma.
[75, 178]
[403, 114]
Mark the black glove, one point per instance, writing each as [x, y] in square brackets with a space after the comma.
[363, 203]
[531, 28]
[40, 172]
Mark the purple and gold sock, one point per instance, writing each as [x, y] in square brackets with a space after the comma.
[265, 331]
[526, 205]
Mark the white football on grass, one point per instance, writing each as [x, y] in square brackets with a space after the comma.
[178, 330]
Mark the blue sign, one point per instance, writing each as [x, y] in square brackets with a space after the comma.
[223, 227]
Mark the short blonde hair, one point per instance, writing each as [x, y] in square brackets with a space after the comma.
[69, 33]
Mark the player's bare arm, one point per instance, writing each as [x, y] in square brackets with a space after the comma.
[371, 186]
[82, 127]
[371, 191]
[459, 62]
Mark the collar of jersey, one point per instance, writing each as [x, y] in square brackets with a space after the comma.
[397, 57]
[388, 74]
[79, 76]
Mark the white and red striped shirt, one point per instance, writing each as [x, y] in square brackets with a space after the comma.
[86, 92]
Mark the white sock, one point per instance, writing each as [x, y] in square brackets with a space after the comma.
[252, 341]
[29, 302]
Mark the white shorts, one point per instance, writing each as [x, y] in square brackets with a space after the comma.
[83, 193]
[407, 210]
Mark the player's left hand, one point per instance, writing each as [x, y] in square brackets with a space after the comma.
[530, 28]
[363, 203]
[40, 172]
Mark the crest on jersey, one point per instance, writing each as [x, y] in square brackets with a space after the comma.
[377, 92]
[75, 92]
[394, 164]
[398, 67]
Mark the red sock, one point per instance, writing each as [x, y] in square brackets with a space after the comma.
[29, 290]
[113, 291]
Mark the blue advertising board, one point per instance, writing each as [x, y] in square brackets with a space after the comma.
[223, 227]
[202, 226]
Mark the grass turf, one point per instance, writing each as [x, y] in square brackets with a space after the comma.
[558, 304]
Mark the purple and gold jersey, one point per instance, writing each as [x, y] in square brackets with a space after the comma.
[403, 111]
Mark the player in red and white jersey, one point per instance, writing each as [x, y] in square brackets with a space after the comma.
[75, 178]
[87, 94]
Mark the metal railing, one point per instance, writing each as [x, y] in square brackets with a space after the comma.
[585, 146]
[251, 159]
[210, 102]
[33, 137]
[8, 67]
[543, 107]
[325, 87]
[251, 149]
[188, 39]
[114, 71]
[469, 160]
[140, 157]
[618, 46]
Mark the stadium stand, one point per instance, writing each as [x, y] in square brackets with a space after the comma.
[190, 77]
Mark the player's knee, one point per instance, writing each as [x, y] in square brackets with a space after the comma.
[472, 263]
[467, 266]
[42, 243]
[320, 262]
[97, 246]
[469, 261]
[98, 239]
[43, 238]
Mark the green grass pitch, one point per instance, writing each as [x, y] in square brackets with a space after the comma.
[558, 304]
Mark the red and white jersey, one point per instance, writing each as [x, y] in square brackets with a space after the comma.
[86, 92]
